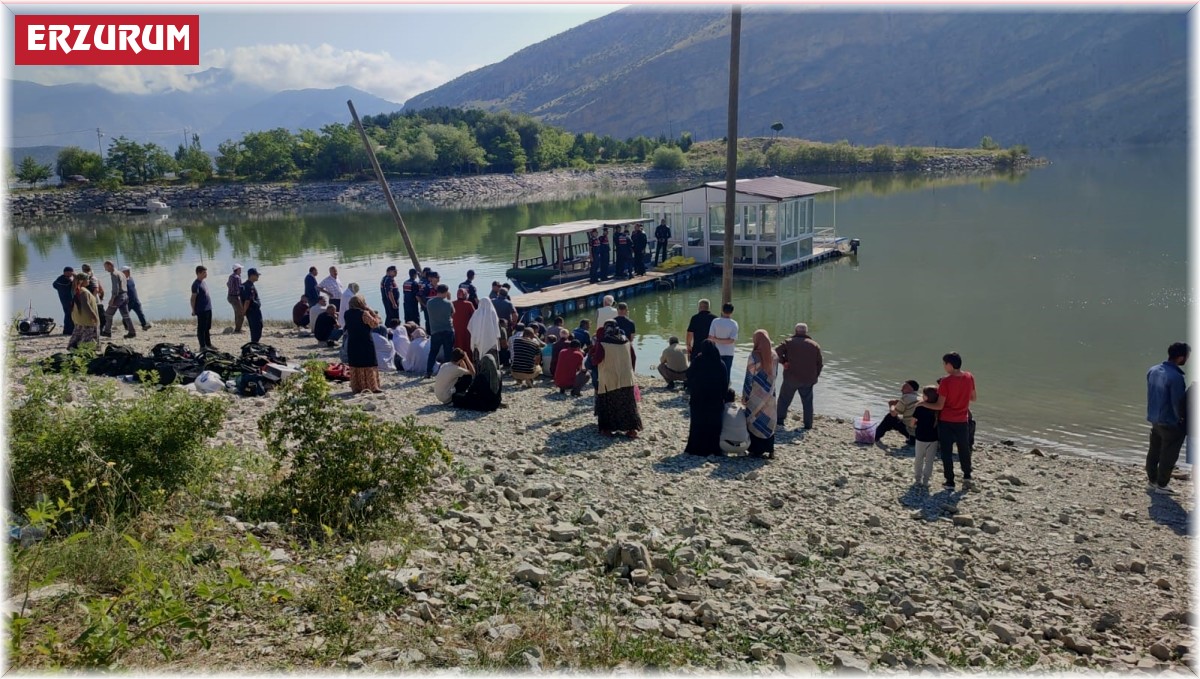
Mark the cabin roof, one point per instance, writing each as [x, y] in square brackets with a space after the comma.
[581, 226]
[776, 188]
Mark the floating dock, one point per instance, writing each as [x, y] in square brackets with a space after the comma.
[569, 298]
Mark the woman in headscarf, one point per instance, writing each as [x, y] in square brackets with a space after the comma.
[360, 346]
[85, 314]
[758, 395]
[417, 356]
[484, 329]
[484, 392]
[351, 290]
[616, 404]
[461, 320]
[707, 383]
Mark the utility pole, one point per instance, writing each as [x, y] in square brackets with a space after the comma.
[731, 136]
[387, 190]
[99, 144]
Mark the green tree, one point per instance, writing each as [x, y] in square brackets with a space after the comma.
[128, 158]
[194, 159]
[685, 141]
[341, 152]
[586, 147]
[776, 127]
[76, 161]
[456, 148]
[988, 144]
[158, 162]
[32, 172]
[229, 156]
[553, 149]
[268, 156]
[668, 158]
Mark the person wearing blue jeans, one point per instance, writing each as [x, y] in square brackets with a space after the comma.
[1166, 404]
[439, 311]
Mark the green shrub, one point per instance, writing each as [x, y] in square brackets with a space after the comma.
[139, 450]
[913, 157]
[343, 466]
[988, 144]
[883, 157]
[751, 161]
[668, 158]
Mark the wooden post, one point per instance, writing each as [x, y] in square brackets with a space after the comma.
[731, 135]
[387, 191]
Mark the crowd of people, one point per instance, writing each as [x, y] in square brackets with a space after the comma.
[466, 344]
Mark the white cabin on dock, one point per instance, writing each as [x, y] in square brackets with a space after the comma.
[776, 227]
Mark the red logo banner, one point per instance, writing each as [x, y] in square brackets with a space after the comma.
[107, 40]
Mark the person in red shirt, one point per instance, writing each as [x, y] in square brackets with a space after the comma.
[956, 393]
[569, 373]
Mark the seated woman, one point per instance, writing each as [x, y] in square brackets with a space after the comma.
[418, 351]
[385, 352]
[484, 392]
[453, 377]
[400, 341]
[735, 435]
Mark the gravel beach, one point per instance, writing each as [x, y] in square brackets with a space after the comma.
[825, 557]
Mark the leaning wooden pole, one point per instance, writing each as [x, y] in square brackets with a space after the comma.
[731, 136]
[387, 191]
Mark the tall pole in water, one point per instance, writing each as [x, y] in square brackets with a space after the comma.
[731, 135]
[387, 191]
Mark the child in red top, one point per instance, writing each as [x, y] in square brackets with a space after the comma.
[956, 392]
[569, 372]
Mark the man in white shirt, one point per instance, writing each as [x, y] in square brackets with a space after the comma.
[333, 288]
[724, 332]
[450, 373]
[606, 312]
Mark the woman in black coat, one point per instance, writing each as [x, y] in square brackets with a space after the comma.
[360, 347]
[707, 383]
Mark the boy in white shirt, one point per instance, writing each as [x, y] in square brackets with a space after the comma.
[724, 332]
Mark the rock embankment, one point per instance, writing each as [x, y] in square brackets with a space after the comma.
[473, 190]
[827, 556]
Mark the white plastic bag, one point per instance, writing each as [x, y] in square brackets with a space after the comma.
[864, 428]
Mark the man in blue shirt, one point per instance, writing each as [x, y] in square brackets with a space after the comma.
[311, 290]
[66, 293]
[411, 309]
[1165, 394]
[388, 290]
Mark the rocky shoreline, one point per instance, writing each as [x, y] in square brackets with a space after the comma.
[825, 557]
[477, 190]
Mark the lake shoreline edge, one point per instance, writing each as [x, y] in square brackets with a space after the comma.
[474, 190]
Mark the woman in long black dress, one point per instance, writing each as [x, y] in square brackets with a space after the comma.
[707, 382]
[360, 346]
[484, 392]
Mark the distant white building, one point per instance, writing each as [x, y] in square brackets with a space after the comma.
[775, 224]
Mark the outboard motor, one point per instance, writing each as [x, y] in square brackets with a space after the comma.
[854, 243]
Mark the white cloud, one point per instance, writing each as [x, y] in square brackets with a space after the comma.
[286, 67]
[272, 67]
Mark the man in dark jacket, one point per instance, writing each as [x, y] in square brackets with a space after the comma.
[638, 238]
[594, 253]
[62, 285]
[624, 248]
[388, 291]
[412, 313]
[662, 234]
[802, 364]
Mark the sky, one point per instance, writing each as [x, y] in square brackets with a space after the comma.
[393, 52]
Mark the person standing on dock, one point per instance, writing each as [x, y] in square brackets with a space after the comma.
[662, 235]
[412, 312]
[602, 253]
[64, 285]
[802, 362]
[624, 247]
[252, 305]
[639, 241]
[724, 333]
[202, 308]
[135, 304]
[594, 254]
[390, 293]
[333, 288]
[233, 295]
[698, 328]
[1165, 411]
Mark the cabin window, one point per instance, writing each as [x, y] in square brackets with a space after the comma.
[695, 230]
[750, 222]
[716, 222]
[806, 217]
[716, 254]
[768, 255]
[770, 222]
[791, 252]
[743, 255]
[806, 247]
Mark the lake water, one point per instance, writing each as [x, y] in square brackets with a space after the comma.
[1059, 287]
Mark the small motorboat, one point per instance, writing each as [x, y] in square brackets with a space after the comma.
[152, 206]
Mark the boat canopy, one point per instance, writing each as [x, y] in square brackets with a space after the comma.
[581, 226]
